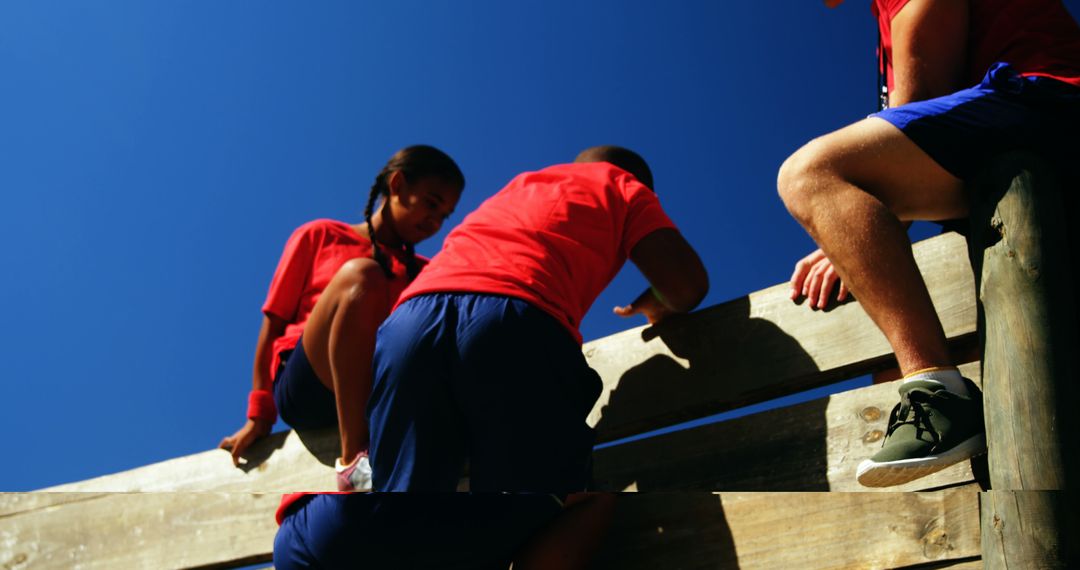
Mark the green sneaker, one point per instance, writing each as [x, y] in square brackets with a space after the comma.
[929, 430]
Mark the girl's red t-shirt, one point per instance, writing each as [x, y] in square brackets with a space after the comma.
[313, 255]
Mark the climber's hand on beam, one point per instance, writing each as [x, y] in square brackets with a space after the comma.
[647, 304]
[244, 437]
[814, 278]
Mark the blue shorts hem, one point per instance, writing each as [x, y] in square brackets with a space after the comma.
[301, 398]
[1004, 112]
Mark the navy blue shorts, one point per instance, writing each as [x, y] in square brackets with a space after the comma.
[302, 400]
[1004, 112]
[417, 531]
[486, 378]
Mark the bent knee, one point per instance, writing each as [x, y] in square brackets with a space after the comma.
[804, 178]
[356, 277]
[359, 270]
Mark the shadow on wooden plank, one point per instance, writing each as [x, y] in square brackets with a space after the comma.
[705, 360]
[732, 351]
[693, 531]
[260, 451]
[323, 444]
[771, 451]
[810, 446]
[685, 530]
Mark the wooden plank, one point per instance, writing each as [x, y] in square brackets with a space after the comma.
[792, 530]
[757, 347]
[283, 462]
[670, 530]
[14, 503]
[145, 530]
[813, 446]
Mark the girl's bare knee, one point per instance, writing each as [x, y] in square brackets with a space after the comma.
[355, 279]
[358, 271]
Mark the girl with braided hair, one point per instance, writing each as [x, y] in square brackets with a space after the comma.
[334, 285]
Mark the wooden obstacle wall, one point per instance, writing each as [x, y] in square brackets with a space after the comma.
[742, 493]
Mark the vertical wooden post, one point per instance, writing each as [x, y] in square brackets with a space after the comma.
[1027, 325]
[1025, 529]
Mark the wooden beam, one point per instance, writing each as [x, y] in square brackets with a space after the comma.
[144, 530]
[671, 530]
[758, 347]
[711, 457]
[283, 462]
[792, 530]
[814, 446]
[12, 503]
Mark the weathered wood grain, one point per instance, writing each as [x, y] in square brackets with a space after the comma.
[143, 530]
[692, 531]
[1030, 329]
[1019, 249]
[756, 348]
[11, 503]
[283, 462]
[683, 530]
[813, 446]
[1029, 529]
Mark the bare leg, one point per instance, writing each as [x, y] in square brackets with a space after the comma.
[851, 190]
[572, 538]
[339, 341]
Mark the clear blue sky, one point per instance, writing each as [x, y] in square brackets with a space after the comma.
[155, 157]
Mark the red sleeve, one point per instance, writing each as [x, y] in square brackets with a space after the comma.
[287, 500]
[886, 9]
[643, 214]
[290, 499]
[291, 275]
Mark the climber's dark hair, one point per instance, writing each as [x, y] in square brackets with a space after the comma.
[415, 163]
[624, 158]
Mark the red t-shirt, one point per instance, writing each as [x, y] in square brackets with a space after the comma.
[1035, 37]
[288, 500]
[312, 256]
[554, 238]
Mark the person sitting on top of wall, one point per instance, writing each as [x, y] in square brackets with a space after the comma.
[855, 189]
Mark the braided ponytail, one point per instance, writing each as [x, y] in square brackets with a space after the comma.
[412, 266]
[378, 188]
[414, 162]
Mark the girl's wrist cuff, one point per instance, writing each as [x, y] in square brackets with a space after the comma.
[261, 406]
